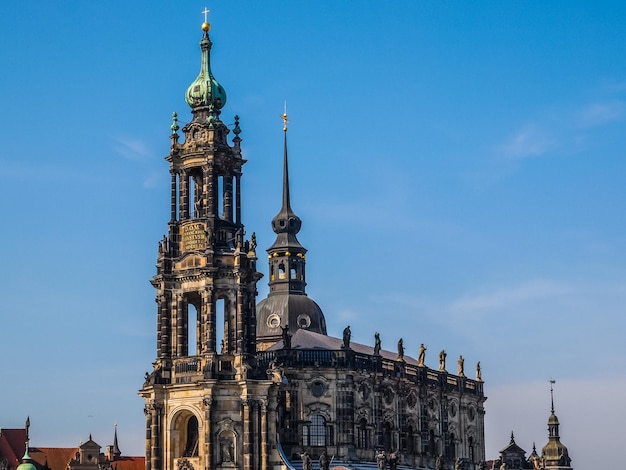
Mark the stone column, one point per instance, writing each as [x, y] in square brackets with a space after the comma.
[264, 444]
[228, 198]
[238, 199]
[146, 411]
[155, 431]
[240, 333]
[181, 311]
[205, 314]
[246, 433]
[207, 402]
[211, 194]
[173, 199]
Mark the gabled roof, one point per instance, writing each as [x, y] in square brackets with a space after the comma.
[129, 463]
[56, 457]
[12, 445]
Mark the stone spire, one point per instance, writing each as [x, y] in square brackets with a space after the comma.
[554, 452]
[286, 224]
[287, 304]
[116, 448]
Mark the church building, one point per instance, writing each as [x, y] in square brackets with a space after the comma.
[244, 384]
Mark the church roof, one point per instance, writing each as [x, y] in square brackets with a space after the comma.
[56, 457]
[304, 339]
[129, 463]
[12, 445]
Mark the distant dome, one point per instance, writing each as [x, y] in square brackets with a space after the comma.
[27, 462]
[282, 309]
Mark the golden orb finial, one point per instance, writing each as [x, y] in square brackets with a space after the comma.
[284, 117]
[206, 26]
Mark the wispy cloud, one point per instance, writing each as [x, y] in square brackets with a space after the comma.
[507, 297]
[529, 141]
[132, 149]
[600, 113]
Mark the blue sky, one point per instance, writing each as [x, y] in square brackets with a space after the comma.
[458, 166]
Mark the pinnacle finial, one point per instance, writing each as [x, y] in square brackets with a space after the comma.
[552, 382]
[284, 118]
[174, 127]
[206, 26]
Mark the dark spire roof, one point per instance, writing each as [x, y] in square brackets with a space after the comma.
[116, 449]
[286, 224]
[555, 452]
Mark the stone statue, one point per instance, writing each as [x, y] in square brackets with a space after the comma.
[253, 242]
[393, 461]
[439, 463]
[307, 463]
[400, 349]
[458, 464]
[226, 450]
[461, 364]
[346, 337]
[286, 337]
[381, 460]
[222, 347]
[442, 360]
[481, 465]
[376, 344]
[324, 461]
[479, 375]
[504, 466]
[422, 355]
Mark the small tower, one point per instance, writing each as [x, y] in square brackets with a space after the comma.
[287, 305]
[554, 454]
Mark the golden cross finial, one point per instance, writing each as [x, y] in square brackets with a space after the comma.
[206, 13]
[284, 117]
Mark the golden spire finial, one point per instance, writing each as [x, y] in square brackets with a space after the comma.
[284, 118]
[206, 26]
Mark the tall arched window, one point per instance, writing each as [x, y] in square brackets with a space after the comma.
[317, 433]
[362, 441]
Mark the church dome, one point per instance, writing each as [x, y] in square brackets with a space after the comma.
[205, 89]
[288, 309]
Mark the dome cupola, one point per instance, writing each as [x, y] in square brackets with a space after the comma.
[205, 91]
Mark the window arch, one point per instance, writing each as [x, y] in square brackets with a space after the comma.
[317, 432]
[362, 437]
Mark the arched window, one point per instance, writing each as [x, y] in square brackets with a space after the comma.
[410, 440]
[387, 437]
[281, 271]
[317, 433]
[362, 441]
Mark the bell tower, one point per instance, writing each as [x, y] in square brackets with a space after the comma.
[205, 397]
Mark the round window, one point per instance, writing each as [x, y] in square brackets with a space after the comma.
[273, 321]
[304, 321]
[318, 388]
